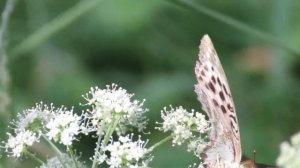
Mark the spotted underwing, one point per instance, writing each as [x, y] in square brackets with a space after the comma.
[212, 89]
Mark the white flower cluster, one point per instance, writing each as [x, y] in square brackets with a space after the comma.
[18, 143]
[201, 165]
[125, 153]
[290, 153]
[55, 162]
[32, 119]
[111, 103]
[112, 110]
[64, 126]
[190, 127]
[184, 125]
[58, 124]
[197, 145]
[27, 129]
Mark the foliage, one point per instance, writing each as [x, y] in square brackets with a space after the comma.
[59, 49]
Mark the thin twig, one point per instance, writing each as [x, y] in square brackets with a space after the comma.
[56, 25]
[166, 139]
[57, 151]
[4, 75]
[5, 16]
[31, 155]
[249, 30]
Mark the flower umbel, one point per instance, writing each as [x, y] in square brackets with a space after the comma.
[27, 129]
[197, 166]
[63, 126]
[55, 162]
[125, 153]
[183, 125]
[32, 119]
[17, 144]
[58, 124]
[290, 153]
[190, 127]
[109, 103]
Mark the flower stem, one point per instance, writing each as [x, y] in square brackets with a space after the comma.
[5, 99]
[33, 157]
[97, 148]
[60, 154]
[243, 27]
[54, 26]
[73, 158]
[166, 139]
[108, 134]
[110, 131]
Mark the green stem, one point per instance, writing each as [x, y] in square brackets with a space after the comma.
[33, 157]
[166, 139]
[237, 24]
[110, 130]
[97, 148]
[60, 154]
[5, 99]
[108, 134]
[5, 17]
[73, 158]
[44, 33]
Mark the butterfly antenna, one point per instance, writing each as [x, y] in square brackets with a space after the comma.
[254, 153]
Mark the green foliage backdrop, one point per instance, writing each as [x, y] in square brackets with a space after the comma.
[57, 50]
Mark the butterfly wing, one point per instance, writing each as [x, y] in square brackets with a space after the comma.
[216, 99]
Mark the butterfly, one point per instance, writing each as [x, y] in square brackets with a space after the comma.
[224, 148]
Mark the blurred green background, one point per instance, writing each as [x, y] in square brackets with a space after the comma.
[150, 49]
